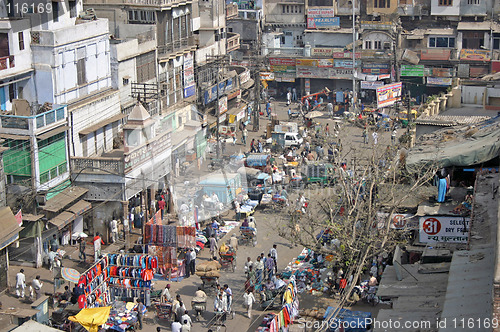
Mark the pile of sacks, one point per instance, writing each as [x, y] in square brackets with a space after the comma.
[208, 269]
[313, 313]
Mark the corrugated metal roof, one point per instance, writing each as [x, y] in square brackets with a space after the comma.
[450, 120]
[64, 198]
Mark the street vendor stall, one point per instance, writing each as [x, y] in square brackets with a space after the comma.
[122, 317]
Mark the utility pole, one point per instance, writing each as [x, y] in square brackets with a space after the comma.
[354, 93]
[256, 107]
[217, 112]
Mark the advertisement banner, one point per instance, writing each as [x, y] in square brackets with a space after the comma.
[337, 73]
[477, 55]
[267, 76]
[439, 81]
[323, 22]
[307, 62]
[371, 85]
[282, 69]
[387, 95]
[244, 76]
[189, 84]
[374, 25]
[402, 221]
[325, 63]
[343, 55]
[444, 229]
[211, 94]
[414, 71]
[322, 51]
[320, 12]
[442, 72]
[339, 63]
[282, 61]
[222, 105]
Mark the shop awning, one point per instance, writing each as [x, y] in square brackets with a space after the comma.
[16, 137]
[102, 124]
[10, 227]
[80, 207]
[477, 26]
[62, 219]
[53, 132]
[64, 198]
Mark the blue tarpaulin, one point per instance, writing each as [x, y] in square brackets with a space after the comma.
[352, 321]
[257, 160]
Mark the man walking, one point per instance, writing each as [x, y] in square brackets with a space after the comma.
[20, 283]
[213, 246]
[97, 246]
[161, 206]
[270, 265]
[249, 299]
[273, 252]
[375, 138]
[259, 269]
[37, 287]
[294, 94]
[113, 227]
[244, 136]
[56, 273]
[82, 246]
[192, 263]
[141, 310]
[393, 136]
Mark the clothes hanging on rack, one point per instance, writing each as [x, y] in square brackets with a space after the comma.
[186, 237]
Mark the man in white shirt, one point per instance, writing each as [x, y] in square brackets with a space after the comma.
[200, 296]
[37, 287]
[176, 326]
[248, 263]
[249, 299]
[215, 198]
[220, 303]
[251, 222]
[278, 283]
[192, 263]
[186, 317]
[165, 295]
[20, 283]
[274, 254]
[113, 227]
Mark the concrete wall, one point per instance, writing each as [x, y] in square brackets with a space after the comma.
[22, 58]
[453, 10]
[88, 115]
[323, 39]
[473, 94]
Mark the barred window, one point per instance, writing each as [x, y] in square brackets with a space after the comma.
[146, 67]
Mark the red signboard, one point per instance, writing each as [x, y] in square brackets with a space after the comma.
[282, 61]
[432, 54]
[495, 66]
[342, 55]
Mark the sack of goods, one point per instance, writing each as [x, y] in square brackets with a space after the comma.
[211, 274]
[208, 266]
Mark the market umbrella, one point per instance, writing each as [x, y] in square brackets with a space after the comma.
[314, 114]
[91, 318]
[79, 234]
[70, 275]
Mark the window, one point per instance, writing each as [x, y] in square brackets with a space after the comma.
[473, 2]
[287, 9]
[496, 41]
[446, 42]
[72, 8]
[125, 80]
[146, 67]
[382, 3]
[12, 92]
[141, 16]
[20, 36]
[55, 11]
[368, 44]
[284, 9]
[377, 44]
[445, 2]
[80, 69]
[472, 40]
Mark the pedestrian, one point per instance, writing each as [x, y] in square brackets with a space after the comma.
[252, 145]
[259, 146]
[249, 299]
[213, 246]
[37, 287]
[365, 135]
[244, 135]
[327, 130]
[288, 98]
[268, 109]
[54, 243]
[141, 310]
[186, 326]
[186, 318]
[274, 255]
[175, 305]
[289, 113]
[229, 296]
[237, 209]
[165, 295]
[161, 206]
[113, 227]
[192, 263]
[270, 265]
[233, 241]
[223, 145]
[393, 136]
[248, 264]
[233, 136]
[375, 138]
[97, 246]
[179, 312]
[294, 94]
[259, 269]
[81, 248]
[56, 273]
[176, 326]
[20, 283]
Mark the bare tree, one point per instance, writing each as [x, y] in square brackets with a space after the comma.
[341, 220]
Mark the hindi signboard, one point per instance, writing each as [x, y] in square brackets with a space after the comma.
[478, 55]
[444, 229]
[388, 94]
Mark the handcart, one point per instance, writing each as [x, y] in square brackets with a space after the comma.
[209, 283]
[163, 310]
[228, 260]
[199, 308]
[248, 236]
[266, 203]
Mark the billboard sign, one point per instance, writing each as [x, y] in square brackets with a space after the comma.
[320, 12]
[189, 84]
[479, 55]
[414, 71]
[387, 95]
[323, 22]
[443, 229]
[439, 81]
[367, 85]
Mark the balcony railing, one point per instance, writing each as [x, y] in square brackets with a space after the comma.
[231, 10]
[287, 51]
[146, 36]
[176, 45]
[7, 62]
[233, 41]
[97, 165]
[33, 122]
